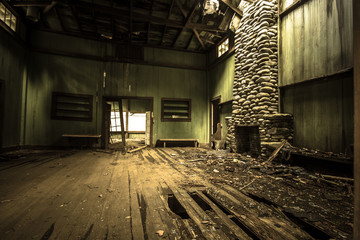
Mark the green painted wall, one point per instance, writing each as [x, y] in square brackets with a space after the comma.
[12, 73]
[51, 72]
[221, 79]
[163, 82]
[315, 41]
[323, 113]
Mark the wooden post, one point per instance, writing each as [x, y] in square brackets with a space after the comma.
[106, 125]
[356, 22]
[127, 117]
[122, 124]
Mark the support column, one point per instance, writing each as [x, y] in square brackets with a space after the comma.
[356, 22]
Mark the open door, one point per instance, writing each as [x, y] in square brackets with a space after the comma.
[130, 122]
[148, 128]
[215, 119]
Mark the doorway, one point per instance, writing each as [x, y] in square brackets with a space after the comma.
[215, 130]
[127, 122]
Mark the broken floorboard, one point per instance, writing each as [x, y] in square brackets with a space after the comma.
[149, 194]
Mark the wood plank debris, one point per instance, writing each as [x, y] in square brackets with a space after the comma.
[137, 149]
[275, 153]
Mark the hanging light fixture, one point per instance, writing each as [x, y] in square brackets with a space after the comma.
[211, 6]
[32, 13]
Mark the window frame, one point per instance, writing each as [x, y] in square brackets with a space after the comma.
[55, 110]
[220, 45]
[13, 15]
[168, 100]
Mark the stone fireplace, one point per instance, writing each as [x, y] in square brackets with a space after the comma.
[247, 139]
[255, 120]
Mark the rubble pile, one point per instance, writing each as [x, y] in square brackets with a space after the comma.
[255, 89]
[321, 200]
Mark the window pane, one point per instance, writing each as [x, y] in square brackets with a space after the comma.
[7, 17]
[223, 47]
[13, 23]
[116, 122]
[2, 12]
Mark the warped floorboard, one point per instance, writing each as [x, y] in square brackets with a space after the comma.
[144, 195]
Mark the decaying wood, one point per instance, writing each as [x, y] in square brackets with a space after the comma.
[325, 180]
[239, 233]
[137, 149]
[275, 153]
[128, 197]
[247, 184]
[122, 125]
[337, 178]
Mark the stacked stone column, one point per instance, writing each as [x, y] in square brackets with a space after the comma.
[255, 89]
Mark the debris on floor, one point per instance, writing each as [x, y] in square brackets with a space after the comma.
[325, 201]
[172, 193]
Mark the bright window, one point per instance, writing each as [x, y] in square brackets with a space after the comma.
[223, 47]
[115, 121]
[137, 122]
[7, 17]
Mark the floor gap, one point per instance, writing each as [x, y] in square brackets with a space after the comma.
[310, 229]
[232, 217]
[176, 207]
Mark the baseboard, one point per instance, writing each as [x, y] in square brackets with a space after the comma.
[9, 149]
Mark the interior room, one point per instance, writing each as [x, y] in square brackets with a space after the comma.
[179, 119]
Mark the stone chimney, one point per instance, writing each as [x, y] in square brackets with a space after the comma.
[256, 121]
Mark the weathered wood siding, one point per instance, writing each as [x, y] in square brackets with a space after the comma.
[315, 40]
[323, 113]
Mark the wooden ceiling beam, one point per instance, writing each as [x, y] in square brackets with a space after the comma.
[120, 13]
[189, 42]
[233, 7]
[165, 27]
[113, 27]
[74, 13]
[149, 24]
[30, 3]
[44, 21]
[130, 20]
[178, 3]
[58, 15]
[198, 37]
[49, 7]
[188, 17]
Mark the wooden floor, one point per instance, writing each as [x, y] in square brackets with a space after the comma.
[144, 195]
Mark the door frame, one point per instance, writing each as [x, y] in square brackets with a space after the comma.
[2, 106]
[117, 98]
[212, 100]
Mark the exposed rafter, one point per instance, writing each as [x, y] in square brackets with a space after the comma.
[164, 23]
[233, 7]
[188, 17]
[49, 7]
[76, 17]
[168, 16]
[149, 24]
[60, 19]
[130, 20]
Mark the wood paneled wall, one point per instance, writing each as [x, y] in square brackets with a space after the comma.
[315, 40]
